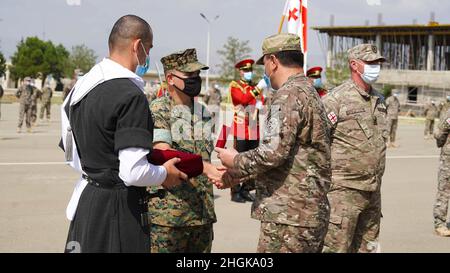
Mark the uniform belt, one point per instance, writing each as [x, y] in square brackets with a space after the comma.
[143, 201]
[102, 185]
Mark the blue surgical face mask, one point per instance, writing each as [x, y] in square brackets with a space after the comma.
[267, 80]
[142, 69]
[371, 73]
[318, 83]
[248, 76]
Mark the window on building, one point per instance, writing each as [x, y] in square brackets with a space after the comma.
[412, 94]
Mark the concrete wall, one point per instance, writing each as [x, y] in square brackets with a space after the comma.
[432, 79]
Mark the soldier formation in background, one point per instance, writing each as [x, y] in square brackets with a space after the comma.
[393, 110]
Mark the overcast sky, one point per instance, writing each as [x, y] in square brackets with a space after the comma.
[178, 25]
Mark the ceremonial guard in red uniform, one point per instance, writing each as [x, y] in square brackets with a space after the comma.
[247, 100]
[314, 74]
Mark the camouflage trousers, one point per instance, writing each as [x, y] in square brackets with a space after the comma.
[243, 146]
[429, 127]
[393, 123]
[45, 107]
[354, 220]
[24, 111]
[33, 113]
[440, 211]
[280, 238]
[195, 239]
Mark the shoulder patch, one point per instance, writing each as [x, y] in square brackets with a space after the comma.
[333, 118]
[448, 121]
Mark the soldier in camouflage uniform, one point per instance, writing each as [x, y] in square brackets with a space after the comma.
[292, 165]
[393, 109]
[443, 195]
[431, 113]
[357, 115]
[37, 94]
[182, 220]
[213, 97]
[46, 101]
[25, 96]
[445, 107]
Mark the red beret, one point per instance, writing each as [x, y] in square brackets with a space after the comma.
[314, 71]
[190, 164]
[245, 64]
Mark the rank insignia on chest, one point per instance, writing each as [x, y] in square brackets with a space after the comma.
[333, 118]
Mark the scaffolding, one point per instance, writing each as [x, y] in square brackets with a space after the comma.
[406, 47]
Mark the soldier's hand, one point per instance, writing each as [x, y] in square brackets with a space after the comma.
[262, 84]
[214, 173]
[174, 176]
[226, 156]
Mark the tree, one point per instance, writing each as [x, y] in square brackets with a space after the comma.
[37, 58]
[2, 65]
[82, 58]
[340, 71]
[232, 52]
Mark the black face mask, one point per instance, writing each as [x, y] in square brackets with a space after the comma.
[192, 86]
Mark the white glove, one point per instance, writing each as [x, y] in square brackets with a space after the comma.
[262, 84]
[259, 105]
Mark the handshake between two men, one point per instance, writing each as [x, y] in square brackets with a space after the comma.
[181, 166]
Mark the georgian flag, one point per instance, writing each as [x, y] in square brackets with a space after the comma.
[296, 12]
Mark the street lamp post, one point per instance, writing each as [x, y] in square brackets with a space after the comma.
[208, 44]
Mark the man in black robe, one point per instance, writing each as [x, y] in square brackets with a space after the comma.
[107, 133]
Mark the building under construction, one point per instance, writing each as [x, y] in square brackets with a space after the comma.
[418, 65]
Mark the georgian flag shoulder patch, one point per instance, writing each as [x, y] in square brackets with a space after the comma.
[333, 118]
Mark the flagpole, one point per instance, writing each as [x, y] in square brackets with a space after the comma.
[280, 28]
[304, 14]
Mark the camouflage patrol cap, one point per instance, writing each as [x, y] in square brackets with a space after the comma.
[184, 61]
[365, 52]
[27, 79]
[280, 42]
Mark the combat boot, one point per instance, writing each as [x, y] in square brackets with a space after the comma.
[443, 231]
[29, 130]
[236, 197]
[19, 130]
[247, 196]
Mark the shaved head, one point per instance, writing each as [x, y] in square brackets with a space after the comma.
[127, 29]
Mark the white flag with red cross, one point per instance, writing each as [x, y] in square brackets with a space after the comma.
[296, 12]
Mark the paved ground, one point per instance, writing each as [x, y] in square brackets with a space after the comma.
[36, 186]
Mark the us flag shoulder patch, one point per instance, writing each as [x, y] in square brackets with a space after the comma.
[332, 117]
